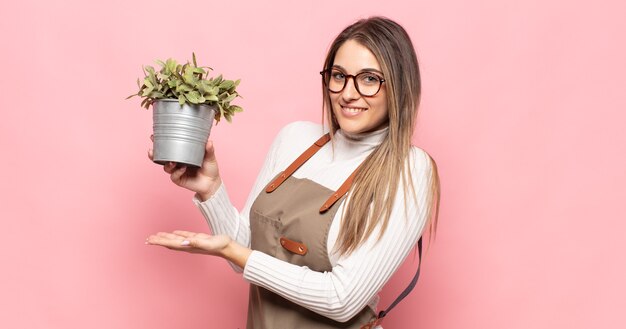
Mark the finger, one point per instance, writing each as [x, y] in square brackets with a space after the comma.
[150, 154]
[209, 155]
[178, 173]
[152, 138]
[159, 239]
[204, 243]
[169, 167]
[165, 242]
[154, 239]
[194, 243]
[170, 236]
[185, 234]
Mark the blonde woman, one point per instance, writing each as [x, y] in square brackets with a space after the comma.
[336, 208]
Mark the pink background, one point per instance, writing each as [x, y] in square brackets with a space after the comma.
[523, 109]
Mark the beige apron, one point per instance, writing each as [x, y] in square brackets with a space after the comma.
[287, 223]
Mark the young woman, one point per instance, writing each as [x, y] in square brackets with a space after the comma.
[335, 210]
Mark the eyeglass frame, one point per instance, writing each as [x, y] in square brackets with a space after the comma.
[348, 76]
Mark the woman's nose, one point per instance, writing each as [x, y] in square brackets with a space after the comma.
[349, 91]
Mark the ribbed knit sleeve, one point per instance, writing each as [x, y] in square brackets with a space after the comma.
[223, 218]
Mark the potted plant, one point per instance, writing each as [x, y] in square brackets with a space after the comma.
[185, 103]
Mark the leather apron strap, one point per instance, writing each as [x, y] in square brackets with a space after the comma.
[298, 163]
[304, 157]
[403, 294]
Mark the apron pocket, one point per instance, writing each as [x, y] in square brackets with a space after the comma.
[265, 233]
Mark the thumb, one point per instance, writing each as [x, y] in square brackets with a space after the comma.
[209, 154]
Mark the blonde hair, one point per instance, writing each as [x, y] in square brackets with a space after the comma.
[375, 186]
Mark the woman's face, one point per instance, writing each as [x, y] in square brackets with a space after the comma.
[356, 113]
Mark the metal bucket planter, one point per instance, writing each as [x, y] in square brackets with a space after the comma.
[181, 132]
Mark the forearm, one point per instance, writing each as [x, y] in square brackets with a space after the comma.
[331, 294]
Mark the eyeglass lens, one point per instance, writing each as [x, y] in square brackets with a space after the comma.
[367, 83]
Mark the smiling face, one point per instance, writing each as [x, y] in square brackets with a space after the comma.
[356, 113]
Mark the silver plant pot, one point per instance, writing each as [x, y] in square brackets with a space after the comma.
[181, 132]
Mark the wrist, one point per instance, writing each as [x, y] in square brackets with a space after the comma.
[236, 253]
[210, 190]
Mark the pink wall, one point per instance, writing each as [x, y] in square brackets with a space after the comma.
[523, 108]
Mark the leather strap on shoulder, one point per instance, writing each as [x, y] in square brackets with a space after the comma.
[304, 157]
[343, 189]
[298, 163]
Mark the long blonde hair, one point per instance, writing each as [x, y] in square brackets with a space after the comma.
[375, 186]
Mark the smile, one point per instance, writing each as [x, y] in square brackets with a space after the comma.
[353, 109]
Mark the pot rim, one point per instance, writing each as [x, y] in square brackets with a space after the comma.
[171, 100]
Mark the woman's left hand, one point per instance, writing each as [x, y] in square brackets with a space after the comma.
[201, 243]
[196, 243]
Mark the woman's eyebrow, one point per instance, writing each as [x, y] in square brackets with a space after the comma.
[367, 69]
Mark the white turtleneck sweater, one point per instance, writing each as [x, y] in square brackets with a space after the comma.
[355, 280]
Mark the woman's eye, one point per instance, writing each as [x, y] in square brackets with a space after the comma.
[337, 75]
[369, 78]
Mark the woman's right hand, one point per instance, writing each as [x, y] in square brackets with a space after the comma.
[204, 180]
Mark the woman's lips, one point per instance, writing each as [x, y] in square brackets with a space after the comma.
[351, 111]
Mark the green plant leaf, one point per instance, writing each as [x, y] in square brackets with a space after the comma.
[198, 70]
[193, 97]
[183, 88]
[230, 98]
[188, 83]
[146, 103]
[188, 75]
[156, 95]
[163, 76]
[221, 108]
[226, 84]
[203, 87]
[171, 65]
[207, 69]
[236, 108]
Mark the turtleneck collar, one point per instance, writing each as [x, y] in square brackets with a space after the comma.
[349, 145]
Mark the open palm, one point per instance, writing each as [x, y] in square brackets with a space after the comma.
[195, 243]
